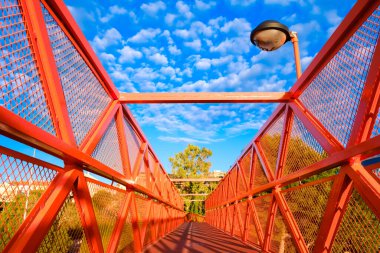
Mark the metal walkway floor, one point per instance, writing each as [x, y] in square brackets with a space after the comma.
[198, 238]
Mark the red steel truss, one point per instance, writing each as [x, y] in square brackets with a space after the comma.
[57, 97]
[301, 184]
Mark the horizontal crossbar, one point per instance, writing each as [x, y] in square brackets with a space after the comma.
[214, 179]
[204, 97]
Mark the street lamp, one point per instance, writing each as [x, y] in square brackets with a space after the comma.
[271, 35]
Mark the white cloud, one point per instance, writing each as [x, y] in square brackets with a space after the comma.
[184, 9]
[284, 2]
[200, 5]
[242, 2]
[174, 50]
[182, 33]
[153, 8]
[237, 45]
[112, 12]
[176, 139]
[107, 57]
[332, 17]
[203, 64]
[169, 19]
[110, 37]
[144, 74]
[81, 15]
[158, 59]
[306, 28]
[305, 61]
[145, 35]
[195, 44]
[197, 28]
[128, 54]
[238, 25]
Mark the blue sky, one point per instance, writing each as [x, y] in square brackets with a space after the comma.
[195, 46]
[187, 46]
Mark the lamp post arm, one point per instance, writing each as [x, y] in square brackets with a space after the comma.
[294, 39]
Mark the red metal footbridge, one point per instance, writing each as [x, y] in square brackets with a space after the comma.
[308, 182]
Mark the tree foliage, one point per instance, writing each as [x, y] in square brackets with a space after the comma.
[193, 163]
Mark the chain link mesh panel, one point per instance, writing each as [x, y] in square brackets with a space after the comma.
[303, 149]
[262, 205]
[66, 234]
[252, 231]
[22, 183]
[245, 165]
[334, 94]
[133, 143]
[108, 150]
[142, 211]
[308, 204]
[126, 243]
[281, 237]
[258, 176]
[85, 96]
[359, 230]
[107, 202]
[21, 89]
[270, 142]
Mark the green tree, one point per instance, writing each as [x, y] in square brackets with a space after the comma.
[193, 163]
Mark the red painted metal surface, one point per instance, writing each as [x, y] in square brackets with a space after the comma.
[309, 191]
[73, 114]
[300, 185]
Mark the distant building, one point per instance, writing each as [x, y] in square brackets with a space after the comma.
[217, 173]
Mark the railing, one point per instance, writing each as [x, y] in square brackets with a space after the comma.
[112, 193]
[300, 185]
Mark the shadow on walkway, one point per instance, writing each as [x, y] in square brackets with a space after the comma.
[198, 238]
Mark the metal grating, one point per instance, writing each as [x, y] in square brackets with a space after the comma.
[359, 230]
[126, 243]
[333, 96]
[236, 223]
[281, 237]
[21, 185]
[308, 204]
[133, 143]
[245, 165]
[259, 177]
[21, 90]
[66, 234]
[270, 142]
[262, 205]
[376, 127]
[107, 203]
[241, 186]
[252, 231]
[108, 150]
[303, 149]
[85, 96]
[142, 211]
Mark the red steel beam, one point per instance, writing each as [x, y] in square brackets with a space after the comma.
[30, 237]
[369, 103]
[204, 97]
[329, 143]
[76, 36]
[87, 215]
[353, 20]
[340, 158]
[121, 219]
[48, 69]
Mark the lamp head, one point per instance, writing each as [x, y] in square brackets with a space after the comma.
[270, 35]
